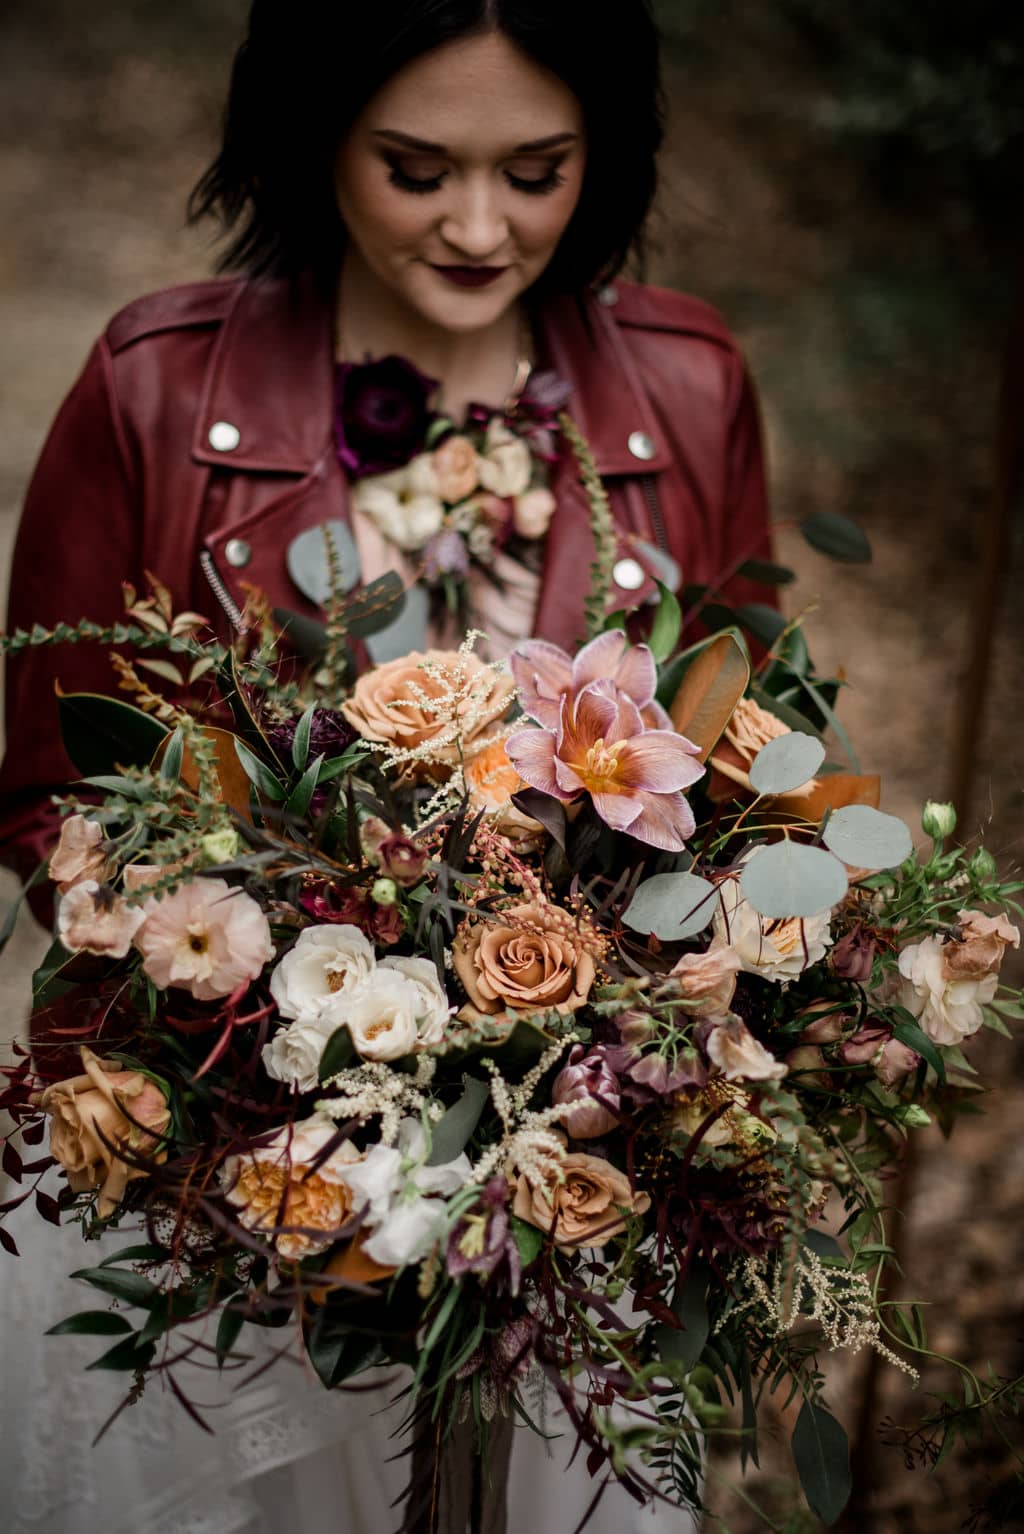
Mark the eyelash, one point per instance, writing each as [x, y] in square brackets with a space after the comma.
[406, 183]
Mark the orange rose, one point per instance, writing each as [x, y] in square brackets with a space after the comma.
[94, 1114]
[456, 466]
[437, 704]
[491, 780]
[583, 1198]
[530, 960]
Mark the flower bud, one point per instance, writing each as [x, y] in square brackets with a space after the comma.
[938, 820]
[587, 1077]
[912, 1116]
[372, 833]
[982, 865]
[219, 846]
[823, 1027]
[808, 1060]
[853, 956]
[384, 892]
[401, 859]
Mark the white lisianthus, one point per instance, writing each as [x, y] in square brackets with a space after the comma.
[739, 1056]
[404, 504]
[376, 1182]
[382, 1017]
[506, 466]
[294, 1053]
[408, 1233]
[777, 948]
[397, 1196]
[947, 1010]
[328, 963]
[433, 1009]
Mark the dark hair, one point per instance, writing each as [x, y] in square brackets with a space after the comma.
[308, 67]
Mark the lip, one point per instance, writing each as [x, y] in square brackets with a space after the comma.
[471, 276]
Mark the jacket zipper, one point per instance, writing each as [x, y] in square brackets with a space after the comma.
[220, 591]
[649, 486]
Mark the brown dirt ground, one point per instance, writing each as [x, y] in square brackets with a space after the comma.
[874, 330]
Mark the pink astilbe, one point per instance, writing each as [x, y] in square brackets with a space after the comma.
[633, 775]
[544, 675]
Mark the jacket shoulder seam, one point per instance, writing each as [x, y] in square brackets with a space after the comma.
[193, 305]
[642, 307]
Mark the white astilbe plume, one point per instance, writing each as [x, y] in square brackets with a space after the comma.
[375, 1090]
[463, 704]
[529, 1142]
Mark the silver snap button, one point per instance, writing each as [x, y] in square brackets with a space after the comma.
[237, 552]
[608, 296]
[641, 445]
[628, 574]
[224, 437]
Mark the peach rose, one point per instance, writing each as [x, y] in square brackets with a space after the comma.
[708, 978]
[979, 951]
[750, 728]
[438, 703]
[530, 960]
[533, 511]
[79, 854]
[278, 1195]
[583, 1198]
[456, 467]
[93, 1115]
[491, 780]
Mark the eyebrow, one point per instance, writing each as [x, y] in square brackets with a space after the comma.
[424, 146]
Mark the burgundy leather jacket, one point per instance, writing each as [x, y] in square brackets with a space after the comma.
[197, 444]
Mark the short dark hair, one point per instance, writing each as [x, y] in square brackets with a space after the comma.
[307, 68]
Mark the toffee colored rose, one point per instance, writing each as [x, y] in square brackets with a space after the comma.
[79, 854]
[750, 728]
[94, 1115]
[533, 511]
[529, 960]
[978, 949]
[583, 1200]
[387, 703]
[457, 468]
[381, 415]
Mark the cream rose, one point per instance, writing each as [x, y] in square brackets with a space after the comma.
[327, 962]
[947, 1010]
[79, 854]
[433, 1009]
[294, 1053]
[583, 1198]
[531, 516]
[529, 960]
[382, 1018]
[456, 468]
[439, 699]
[506, 466]
[277, 1194]
[94, 1115]
[776, 948]
[732, 1047]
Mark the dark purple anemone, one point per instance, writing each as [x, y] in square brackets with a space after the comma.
[381, 414]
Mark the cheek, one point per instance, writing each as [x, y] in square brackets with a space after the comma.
[541, 226]
[375, 215]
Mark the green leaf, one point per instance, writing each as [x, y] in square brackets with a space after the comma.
[374, 606]
[338, 1054]
[672, 906]
[764, 622]
[690, 1304]
[528, 1239]
[667, 625]
[337, 1353]
[302, 793]
[822, 1457]
[451, 1135]
[788, 879]
[766, 573]
[915, 1038]
[91, 1323]
[300, 740]
[830, 717]
[131, 1287]
[835, 535]
[101, 734]
[145, 1253]
[228, 1329]
[127, 1356]
[615, 620]
[787, 762]
[258, 773]
[865, 838]
[170, 765]
[824, 1246]
[306, 635]
[784, 711]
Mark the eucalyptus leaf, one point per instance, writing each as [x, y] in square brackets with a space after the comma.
[822, 1457]
[402, 629]
[787, 762]
[835, 535]
[867, 838]
[450, 1136]
[307, 563]
[672, 906]
[789, 879]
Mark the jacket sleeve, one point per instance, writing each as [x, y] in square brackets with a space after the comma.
[747, 531]
[78, 539]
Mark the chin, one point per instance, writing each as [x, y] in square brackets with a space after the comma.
[463, 309]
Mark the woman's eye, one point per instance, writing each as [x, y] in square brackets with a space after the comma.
[537, 178]
[414, 177]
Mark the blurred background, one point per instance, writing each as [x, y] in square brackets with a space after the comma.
[846, 182]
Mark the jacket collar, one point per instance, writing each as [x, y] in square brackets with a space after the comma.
[270, 377]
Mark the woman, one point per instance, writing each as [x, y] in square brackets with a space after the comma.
[455, 183]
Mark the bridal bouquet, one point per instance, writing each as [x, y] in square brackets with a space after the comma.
[542, 1028]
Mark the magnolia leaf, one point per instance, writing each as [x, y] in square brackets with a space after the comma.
[789, 879]
[714, 682]
[833, 792]
[822, 1457]
[835, 535]
[685, 1344]
[766, 573]
[765, 623]
[234, 782]
[785, 763]
[672, 906]
[101, 734]
[307, 563]
[339, 1052]
[865, 838]
[450, 1135]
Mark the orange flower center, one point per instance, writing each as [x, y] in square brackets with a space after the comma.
[599, 769]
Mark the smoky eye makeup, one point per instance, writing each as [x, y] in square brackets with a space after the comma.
[412, 176]
[534, 177]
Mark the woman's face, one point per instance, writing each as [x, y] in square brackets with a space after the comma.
[457, 181]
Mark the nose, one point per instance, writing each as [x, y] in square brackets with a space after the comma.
[476, 225]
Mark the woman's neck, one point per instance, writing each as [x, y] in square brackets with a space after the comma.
[477, 365]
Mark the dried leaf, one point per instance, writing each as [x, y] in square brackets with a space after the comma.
[710, 691]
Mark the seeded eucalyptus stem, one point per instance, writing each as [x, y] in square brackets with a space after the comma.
[602, 526]
[336, 653]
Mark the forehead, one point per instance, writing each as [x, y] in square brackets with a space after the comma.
[478, 94]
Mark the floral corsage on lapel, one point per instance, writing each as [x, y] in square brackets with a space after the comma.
[453, 496]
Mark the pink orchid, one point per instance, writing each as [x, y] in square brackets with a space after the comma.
[544, 675]
[634, 776]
